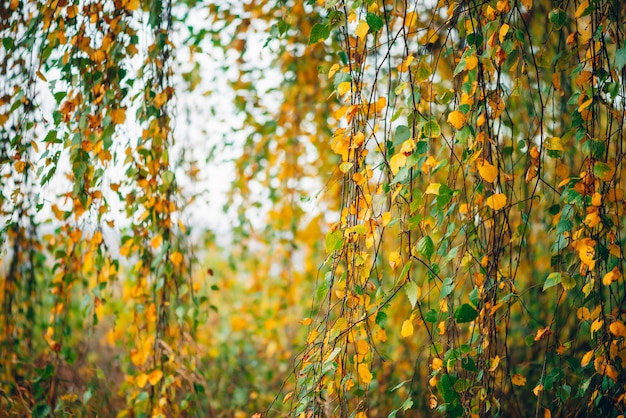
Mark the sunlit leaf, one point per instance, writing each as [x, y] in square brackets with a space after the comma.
[496, 201]
[364, 373]
[407, 328]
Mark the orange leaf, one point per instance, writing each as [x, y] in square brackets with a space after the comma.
[155, 377]
[457, 119]
[364, 373]
[542, 332]
[618, 329]
[518, 380]
[581, 9]
[132, 5]
[611, 276]
[118, 116]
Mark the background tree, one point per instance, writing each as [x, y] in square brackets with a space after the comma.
[426, 210]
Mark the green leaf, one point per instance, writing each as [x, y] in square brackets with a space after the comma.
[558, 18]
[334, 241]
[620, 58]
[461, 385]
[7, 43]
[431, 129]
[426, 247]
[567, 282]
[51, 137]
[460, 67]
[381, 319]
[402, 134]
[411, 290]
[431, 316]
[319, 33]
[602, 170]
[465, 313]
[552, 280]
[374, 22]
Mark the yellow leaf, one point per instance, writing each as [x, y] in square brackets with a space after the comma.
[87, 263]
[176, 258]
[538, 389]
[386, 218]
[405, 64]
[361, 29]
[364, 373]
[411, 19]
[581, 9]
[547, 413]
[471, 63]
[553, 144]
[457, 119]
[407, 328]
[407, 146]
[585, 105]
[20, 166]
[118, 116]
[583, 314]
[437, 363]
[618, 329]
[288, 396]
[518, 380]
[160, 99]
[394, 259]
[433, 188]
[343, 88]
[430, 37]
[592, 219]
[132, 5]
[362, 347]
[496, 201]
[542, 332]
[528, 4]
[596, 199]
[495, 362]
[504, 29]
[488, 172]
[586, 251]
[611, 276]
[397, 162]
[611, 372]
[156, 241]
[596, 325]
[333, 70]
[155, 377]
[142, 379]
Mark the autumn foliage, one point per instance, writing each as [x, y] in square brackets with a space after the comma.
[421, 211]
